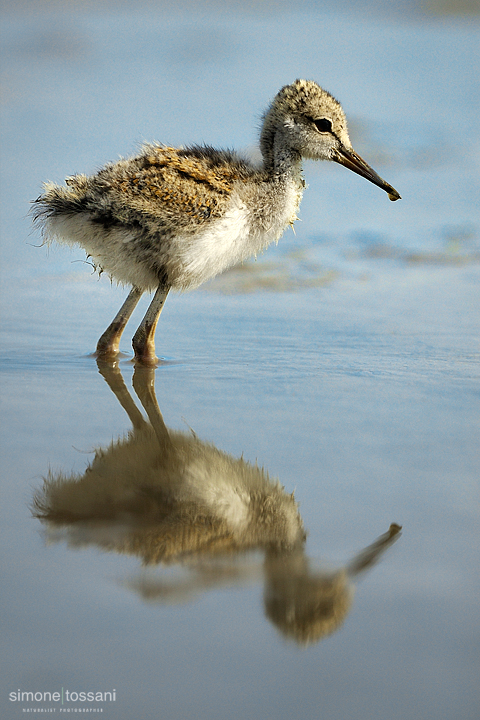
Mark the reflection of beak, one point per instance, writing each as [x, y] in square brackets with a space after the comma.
[354, 162]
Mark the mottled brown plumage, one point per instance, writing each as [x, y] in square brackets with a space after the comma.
[174, 218]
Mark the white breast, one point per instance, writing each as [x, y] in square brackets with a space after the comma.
[245, 229]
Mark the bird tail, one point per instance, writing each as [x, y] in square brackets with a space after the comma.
[58, 202]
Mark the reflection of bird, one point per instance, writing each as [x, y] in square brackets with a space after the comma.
[169, 498]
[174, 218]
[181, 495]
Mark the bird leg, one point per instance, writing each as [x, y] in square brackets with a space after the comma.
[144, 338]
[110, 340]
[112, 375]
[144, 385]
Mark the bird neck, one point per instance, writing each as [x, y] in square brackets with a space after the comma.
[279, 159]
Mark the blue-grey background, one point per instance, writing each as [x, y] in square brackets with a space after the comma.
[345, 360]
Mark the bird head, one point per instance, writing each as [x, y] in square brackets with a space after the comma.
[308, 120]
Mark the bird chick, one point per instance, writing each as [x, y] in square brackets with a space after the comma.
[173, 218]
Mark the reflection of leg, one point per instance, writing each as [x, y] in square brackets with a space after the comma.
[111, 373]
[370, 555]
[144, 338]
[144, 385]
[110, 340]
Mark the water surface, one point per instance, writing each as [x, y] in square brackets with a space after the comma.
[342, 364]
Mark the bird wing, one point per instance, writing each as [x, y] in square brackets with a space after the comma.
[181, 187]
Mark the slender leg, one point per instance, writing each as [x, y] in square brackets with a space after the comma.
[110, 340]
[144, 339]
[144, 385]
[113, 376]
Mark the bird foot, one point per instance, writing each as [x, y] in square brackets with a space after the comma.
[144, 353]
[146, 360]
[144, 346]
[106, 354]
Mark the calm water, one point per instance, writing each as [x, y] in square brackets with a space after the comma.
[342, 364]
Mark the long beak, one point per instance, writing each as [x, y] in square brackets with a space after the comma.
[354, 162]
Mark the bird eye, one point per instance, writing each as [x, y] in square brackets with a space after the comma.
[323, 125]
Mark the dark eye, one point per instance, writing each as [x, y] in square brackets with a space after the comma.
[323, 125]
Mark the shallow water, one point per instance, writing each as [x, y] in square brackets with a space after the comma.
[343, 363]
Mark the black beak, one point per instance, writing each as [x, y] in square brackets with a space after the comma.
[354, 162]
